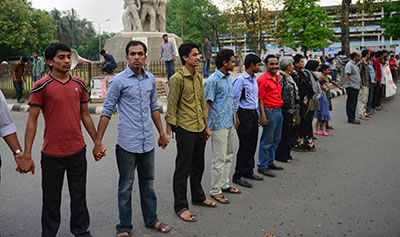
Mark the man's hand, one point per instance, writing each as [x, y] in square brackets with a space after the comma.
[297, 106]
[26, 164]
[99, 151]
[208, 133]
[163, 141]
[263, 120]
[237, 123]
[173, 58]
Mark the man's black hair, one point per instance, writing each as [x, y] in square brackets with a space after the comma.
[223, 56]
[52, 50]
[207, 37]
[323, 67]
[24, 59]
[135, 43]
[364, 53]
[372, 54]
[340, 52]
[251, 59]
[37, 52]
[185, 49]
[102, 52]
[312, 65]
[268, 57]
[378, 54]
[353, 55]
[297, 58]
[164, 35]
[322, 81]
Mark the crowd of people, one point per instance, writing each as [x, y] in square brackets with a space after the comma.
[284, 101]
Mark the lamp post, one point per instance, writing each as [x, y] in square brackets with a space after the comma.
[100, 33]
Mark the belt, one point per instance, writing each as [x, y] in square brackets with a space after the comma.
[250, 110]
[272, 109]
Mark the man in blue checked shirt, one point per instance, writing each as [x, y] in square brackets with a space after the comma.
[222, 119]
[134, 91]
[245, 97]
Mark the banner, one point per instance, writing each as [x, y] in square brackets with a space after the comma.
[390, 86]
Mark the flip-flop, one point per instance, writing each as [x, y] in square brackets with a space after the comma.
[210, 204]
[123, 234]
[191, 216]
[216, 198]
[230, 189]
[161, 226]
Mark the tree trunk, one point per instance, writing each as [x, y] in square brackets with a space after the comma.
[345, 27]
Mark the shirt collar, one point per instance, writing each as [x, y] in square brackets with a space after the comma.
[131, 73]
[221, 75]
[247, 76]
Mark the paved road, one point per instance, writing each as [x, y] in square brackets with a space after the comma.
[349, 187]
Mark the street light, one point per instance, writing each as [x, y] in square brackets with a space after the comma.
[100, 33]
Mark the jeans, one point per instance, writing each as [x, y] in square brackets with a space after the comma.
[206, 68]
[127, 162]
[351, 103]
[270, 138]
[248, 137]
[333, 75]
[222, 153]
[189, 163]
[53, 169]
[170, 67]
[35, 79]
[18, 89]
[109, 68]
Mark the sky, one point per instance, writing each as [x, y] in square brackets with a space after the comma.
[101, 10]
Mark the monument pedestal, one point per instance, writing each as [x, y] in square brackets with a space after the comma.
[116, 45]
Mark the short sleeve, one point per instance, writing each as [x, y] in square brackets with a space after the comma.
[347, 68]
[209, 90]
[37, 91]
[84, 93]
[260, 83]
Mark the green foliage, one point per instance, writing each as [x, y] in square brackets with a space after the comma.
[22, 29]
[391, 22]
[305, 24]
[195, 19]
[90, 50]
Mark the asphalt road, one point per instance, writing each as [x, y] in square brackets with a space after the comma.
[349, 187]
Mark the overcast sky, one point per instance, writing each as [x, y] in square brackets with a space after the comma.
[100, 10]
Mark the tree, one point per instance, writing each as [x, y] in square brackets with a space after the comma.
[23, 29]
[305, 25]
[90, 50]
[257, 21]
[391, 20]
[344, 25]
[195, 19]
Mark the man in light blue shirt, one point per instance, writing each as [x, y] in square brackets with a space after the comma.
[134, 91]
[167, 50]
[221, 121]
[245, 97]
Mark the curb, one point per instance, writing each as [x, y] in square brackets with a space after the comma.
[337, 92]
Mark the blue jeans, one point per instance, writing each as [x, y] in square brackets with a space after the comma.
[35, 79]
[127, 162]
[109, 68]
[333, 75]
[170, 67]
[270, 138]
[206, 68]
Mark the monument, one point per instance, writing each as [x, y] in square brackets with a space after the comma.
[143, 20]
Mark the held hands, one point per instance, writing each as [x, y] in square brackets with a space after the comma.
[163, 141]
[237, 123]
[25, 163]
[99, 151]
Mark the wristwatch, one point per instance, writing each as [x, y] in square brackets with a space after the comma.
[17, 152]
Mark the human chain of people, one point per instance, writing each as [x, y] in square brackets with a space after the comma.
[284, 101]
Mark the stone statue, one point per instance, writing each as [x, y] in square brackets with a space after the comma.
[130, 18]
[161, 11]
[148, 8]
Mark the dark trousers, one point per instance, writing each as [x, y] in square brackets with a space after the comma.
[305, 128]
[283, 152]
[170, 67]
[376, 101]
[370, 99]
[248, 137]
[109, 68]
[189, 163]
[18, 89]
[53, 169]
[351, 103]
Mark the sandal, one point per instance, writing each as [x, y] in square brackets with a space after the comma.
[161, 226]
[192, 217]
[221, 199]
[205, 203]
[124, 234]
[231, 189]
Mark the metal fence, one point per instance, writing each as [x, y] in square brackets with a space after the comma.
[84, 70]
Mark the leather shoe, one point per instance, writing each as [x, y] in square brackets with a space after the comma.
[355, 122]
[274, 167]
[266, 172]
[242, 182]
[254, 177]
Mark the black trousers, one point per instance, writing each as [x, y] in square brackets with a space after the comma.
[283, 152]
[18, 89]
[376, 101]
[189, 163]
[351, 103]
[248, 137]
[53, 169]
[305, 128]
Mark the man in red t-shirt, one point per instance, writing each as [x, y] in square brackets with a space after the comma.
[378, 78]
[270, 99]
[63, 100]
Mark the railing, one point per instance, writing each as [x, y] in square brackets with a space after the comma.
[84, 70]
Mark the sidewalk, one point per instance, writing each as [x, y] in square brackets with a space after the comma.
[96, 108]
